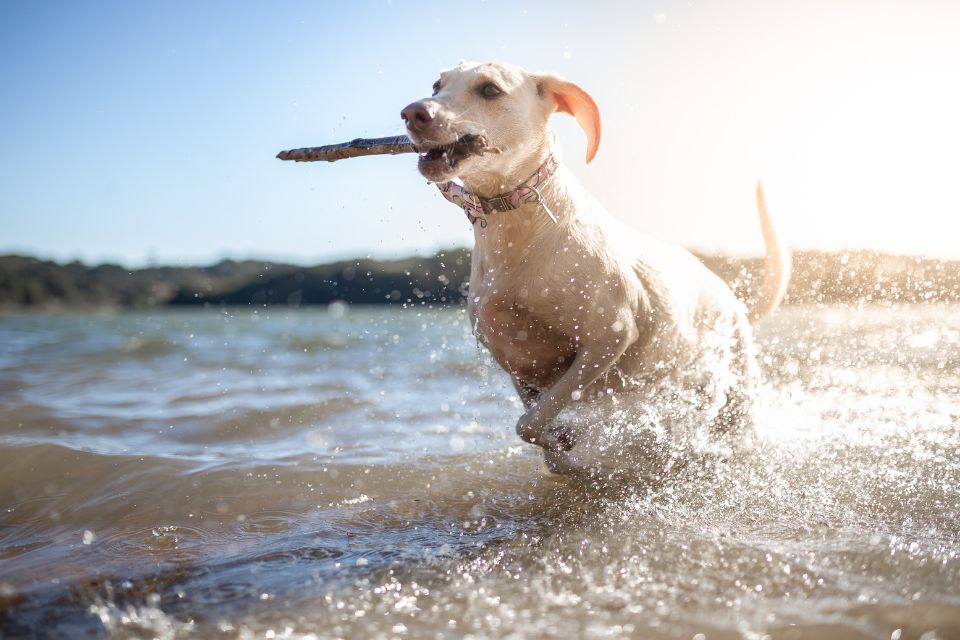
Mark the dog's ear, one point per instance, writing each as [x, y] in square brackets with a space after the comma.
[569, 98]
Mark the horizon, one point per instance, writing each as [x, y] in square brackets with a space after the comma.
[432, 253]
[141, 134]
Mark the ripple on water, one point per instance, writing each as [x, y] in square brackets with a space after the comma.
[219, 593]
[286, 558]
[269, 522]
[268, 424]
[176, 544]
[145, 347]
[320, 343]
[12, 551]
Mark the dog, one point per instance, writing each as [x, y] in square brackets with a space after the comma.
[570, 303]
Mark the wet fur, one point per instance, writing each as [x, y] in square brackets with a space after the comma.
[585, 306]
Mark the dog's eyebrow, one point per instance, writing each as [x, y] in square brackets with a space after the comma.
[495, 76]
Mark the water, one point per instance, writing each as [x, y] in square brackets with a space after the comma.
[353, 473]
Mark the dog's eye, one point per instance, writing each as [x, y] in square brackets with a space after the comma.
[490, 90]
[436, 87]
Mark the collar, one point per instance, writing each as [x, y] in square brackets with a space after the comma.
[477, 208]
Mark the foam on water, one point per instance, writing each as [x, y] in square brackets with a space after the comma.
[304, 474]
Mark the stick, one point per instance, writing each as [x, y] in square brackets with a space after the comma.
[474, 145]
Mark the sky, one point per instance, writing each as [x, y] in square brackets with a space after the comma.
[145, 132]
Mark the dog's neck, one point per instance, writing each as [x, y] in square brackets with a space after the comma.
[514, 197]
[487, 184]
[508, 236]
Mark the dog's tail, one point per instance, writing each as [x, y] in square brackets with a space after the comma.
[764, 298]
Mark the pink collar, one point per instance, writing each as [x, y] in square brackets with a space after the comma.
[477, 208]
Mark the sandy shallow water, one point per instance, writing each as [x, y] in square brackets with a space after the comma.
[354, 473]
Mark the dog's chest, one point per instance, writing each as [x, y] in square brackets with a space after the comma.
[518, 328]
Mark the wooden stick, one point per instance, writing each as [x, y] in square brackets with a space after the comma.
[474, 145]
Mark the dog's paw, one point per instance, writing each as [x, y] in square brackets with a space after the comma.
[564, 436]
[550, 435]
[532, 430]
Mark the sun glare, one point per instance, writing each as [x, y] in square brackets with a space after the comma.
[872, 152]
[846, 110]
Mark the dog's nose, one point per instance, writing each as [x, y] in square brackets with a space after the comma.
[418, 114]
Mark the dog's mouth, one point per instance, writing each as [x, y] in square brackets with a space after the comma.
[440, 161]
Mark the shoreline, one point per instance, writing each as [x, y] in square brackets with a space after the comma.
[33, 285]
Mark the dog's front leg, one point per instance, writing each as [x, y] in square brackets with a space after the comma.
[528, 394]
[591, 362]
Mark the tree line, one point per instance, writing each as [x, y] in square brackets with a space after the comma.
[818, 277]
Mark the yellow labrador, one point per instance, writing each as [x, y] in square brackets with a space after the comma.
[568, 301]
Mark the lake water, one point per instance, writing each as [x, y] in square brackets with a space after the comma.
[351, 472]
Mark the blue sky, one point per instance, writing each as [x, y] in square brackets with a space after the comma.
[146, 132]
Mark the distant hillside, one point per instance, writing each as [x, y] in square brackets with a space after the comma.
[29, 283]
[852, 277]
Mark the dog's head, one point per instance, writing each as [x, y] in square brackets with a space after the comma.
[506, 105]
